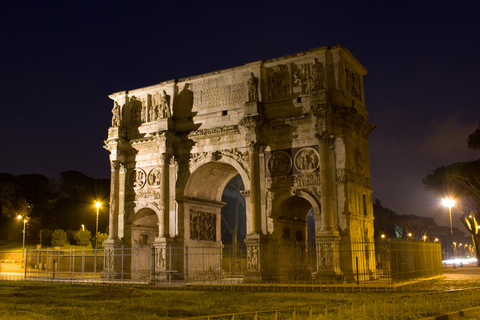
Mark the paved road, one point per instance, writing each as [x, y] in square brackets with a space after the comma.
[470, 273]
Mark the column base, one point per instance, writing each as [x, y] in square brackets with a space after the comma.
[113, 255]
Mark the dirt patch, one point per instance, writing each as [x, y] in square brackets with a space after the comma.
[118, 292]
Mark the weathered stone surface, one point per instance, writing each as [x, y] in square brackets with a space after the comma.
[295, 129]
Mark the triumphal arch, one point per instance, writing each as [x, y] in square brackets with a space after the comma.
[294, 128]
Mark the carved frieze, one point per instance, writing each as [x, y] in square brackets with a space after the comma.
[203, 226]
[306, 179]
[278, 83]
[161, 106]
[309, 76]
[300, 180]
[279, 163]
[218, 131]
[135, 111]
[147, 194]
[307, 160]
[294, 120]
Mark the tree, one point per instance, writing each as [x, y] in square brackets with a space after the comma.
[101, 237]
[384, 220]
[461, 181]
[82, 237]
[59, 238]
[12, 200]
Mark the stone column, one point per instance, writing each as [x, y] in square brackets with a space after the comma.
[114, 201]
[255, 206]
[164, 223]
[112, 246]
[121, 201]
[326, 201]
[327, 241]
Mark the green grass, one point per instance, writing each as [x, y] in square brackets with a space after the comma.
[25, 300]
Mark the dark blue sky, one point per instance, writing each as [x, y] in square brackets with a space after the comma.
[60, 60]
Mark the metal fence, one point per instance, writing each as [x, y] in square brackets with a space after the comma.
[282, 263]
[413, 306]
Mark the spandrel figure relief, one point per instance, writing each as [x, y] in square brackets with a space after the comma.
[154, 177]
[279, 163]
[307, 160]
[137, 178]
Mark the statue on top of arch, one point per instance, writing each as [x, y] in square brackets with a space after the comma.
[116, 115]
[161, 107]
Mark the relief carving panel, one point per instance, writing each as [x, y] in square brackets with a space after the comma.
[203, 226]
[279, 163]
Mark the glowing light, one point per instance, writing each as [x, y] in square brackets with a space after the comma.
[447, 202]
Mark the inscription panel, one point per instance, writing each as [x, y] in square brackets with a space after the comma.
[220, 91]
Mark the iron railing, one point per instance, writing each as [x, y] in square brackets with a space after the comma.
[283, 263]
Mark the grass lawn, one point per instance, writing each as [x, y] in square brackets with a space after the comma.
[26, 300]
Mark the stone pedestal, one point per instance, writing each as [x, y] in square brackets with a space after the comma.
[256, 258]
[328, 259]
[114, 267]
[166, 265]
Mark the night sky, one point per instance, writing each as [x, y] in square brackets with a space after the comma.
[61, 59]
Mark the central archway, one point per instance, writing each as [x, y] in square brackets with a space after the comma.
[202, 218]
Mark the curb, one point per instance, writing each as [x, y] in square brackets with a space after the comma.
[454, 315]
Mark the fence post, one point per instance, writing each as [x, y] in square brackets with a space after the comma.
[26, 258]
[152, 276]
[186, 264]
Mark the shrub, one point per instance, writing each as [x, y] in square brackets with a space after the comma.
[59, 238]
[46, 237]
[82, 238]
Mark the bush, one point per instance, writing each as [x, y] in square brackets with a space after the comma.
[82, 238]
[46, 237]
[59, 238]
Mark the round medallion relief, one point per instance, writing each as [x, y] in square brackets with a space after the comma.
[307, 160]
[154, 177]
[137, 178]
[279, 163]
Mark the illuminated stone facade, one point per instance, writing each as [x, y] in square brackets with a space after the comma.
[295, 129]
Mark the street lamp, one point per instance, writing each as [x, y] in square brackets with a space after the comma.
[447, 202]
[83, 227]
[24, 222]
[98, 205]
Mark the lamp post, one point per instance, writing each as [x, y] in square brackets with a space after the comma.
[98, 205]
[24, 223]
[447, 202]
